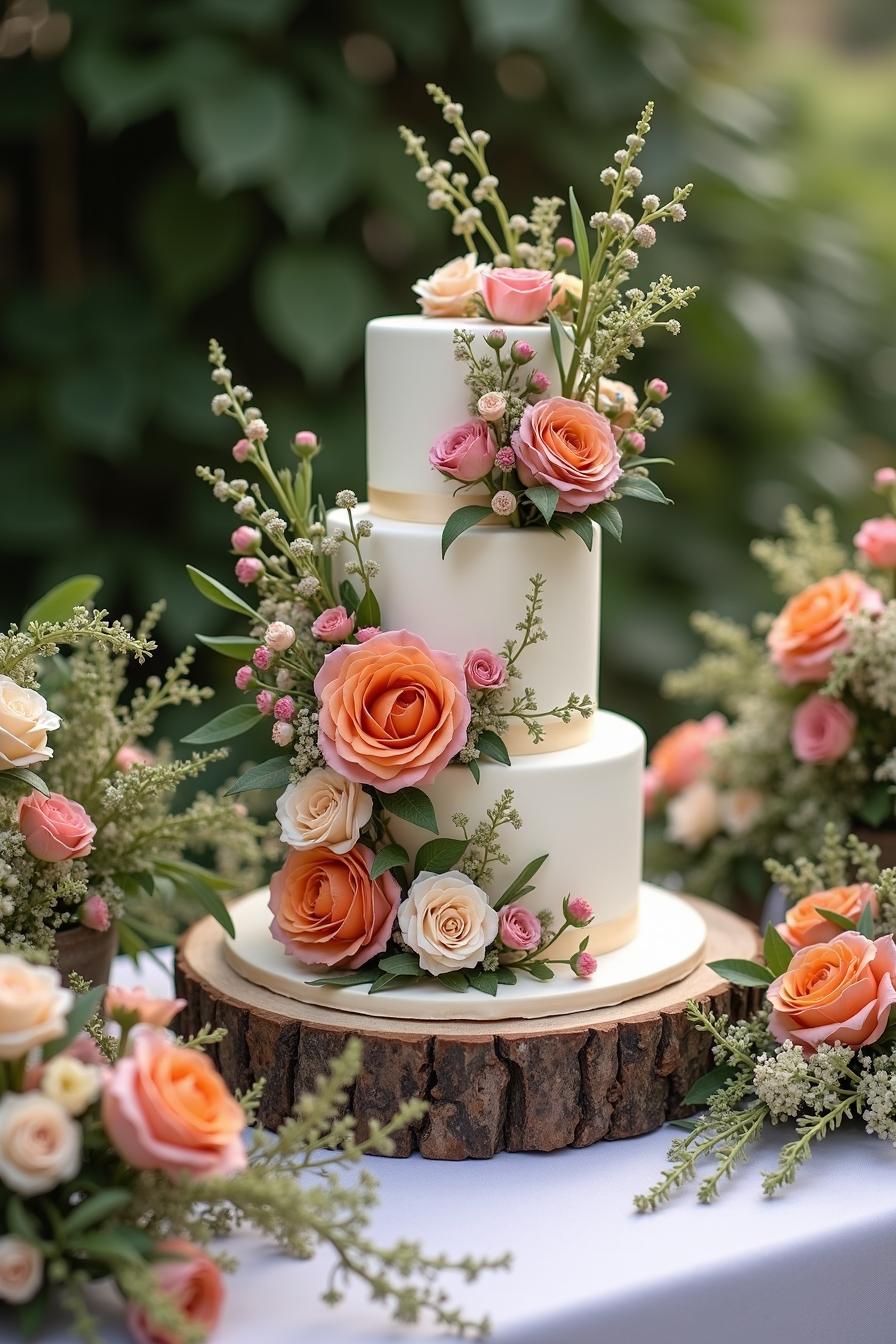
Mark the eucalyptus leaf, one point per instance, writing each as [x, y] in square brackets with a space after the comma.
[506, 975]
[390, 856]
[539, 970]
[94, 1209]
[741, 972]
[383, 982]
[490, 744]
[579, 523]
[866, 922]
[460, 521]
[607, 517]
[216, 592]
[411, 805]
[231, 646]
[19, 775]
[473, 767]
[349, 596]
[439, 856]
[400, 963]
[834, 917]
[232, 723]
[368, 612]
[485, 981]
[456, 981]
[272, 774]
[365, 976]
[59, 603]
[777, 953]
[640, 487]
[519, 884]
[545, 499]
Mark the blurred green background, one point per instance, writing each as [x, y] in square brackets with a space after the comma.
[193, 167]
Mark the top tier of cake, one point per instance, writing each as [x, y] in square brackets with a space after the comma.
[415, 392]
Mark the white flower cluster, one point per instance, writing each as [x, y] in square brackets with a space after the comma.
[790, 1084]
[877, 1095]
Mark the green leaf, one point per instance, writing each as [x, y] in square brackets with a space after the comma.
[401, 963]
[866, 922]
[272, 774]
[383, 982]
[59, 603]
[505, 975]
[111, 1247]
[545, 498]
[583, 253]
[390, 856]
[83, 1009]
[216, 592]
[877, 806]
[438, 856]
[368, 612]
[32, 1315]
[182, 868]
[232, 723]
[365, 976]
[20, 775]
[231, 646]
[710, 1083]
[411, 805]
[491, 745]
[558, 334]
[740, 972]
[777, 953]
[539, 970]
[94, 1209]
[519, 883]
[608, 517]
[240, 132]
[841, 921]
[640, 487]
[456, 981]
[210, 901]
[349, 596]
[473, 767]
[460, 521]
[22, 1222]
[579, 523]
[485, 981]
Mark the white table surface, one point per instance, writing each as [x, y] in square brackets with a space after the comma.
[815, 1264]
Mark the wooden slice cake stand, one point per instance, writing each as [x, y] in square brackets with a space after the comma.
[515, 1085]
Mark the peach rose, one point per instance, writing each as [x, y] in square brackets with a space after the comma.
[54, 827]
[327, 909]
[516, 294]
[570, 446]
[166, 1108]
[567, 293]
[876, 540]
[33, 1006]
[323, 808]
[40, 1144]
[136, 1002]
[694, 815]
[24, 724]
[193, 1283]
[393, 712]
[841, 991]
[447, 921]
[21, 1270]
[465, 453]
[822, 730]
[811, 628]
[683, 756]
[803, 925]
[617, 401]
[451, 289]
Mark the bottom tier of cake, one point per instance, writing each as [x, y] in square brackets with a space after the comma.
[582, 807]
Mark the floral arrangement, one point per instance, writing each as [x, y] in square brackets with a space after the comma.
[364, 717]
[822, 1048]
[89, 833]
[563, 461]
[123, 1155]
[807, 729]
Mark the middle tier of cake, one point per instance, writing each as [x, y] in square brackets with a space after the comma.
[581, 807]
[476, 596]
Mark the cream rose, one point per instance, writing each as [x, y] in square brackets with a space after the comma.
[24, 724]
[450, 290]
[323, 809]
[33, 1006]
[618, 401]
[71, 1083]
[695, 815]
[40, 1144]
[739, 810]
[447, 921]
[21, 1270]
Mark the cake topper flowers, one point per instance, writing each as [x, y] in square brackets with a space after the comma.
[566, 461]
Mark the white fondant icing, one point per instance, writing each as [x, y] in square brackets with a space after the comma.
[476, 596]
[416, 391]
[669, 945]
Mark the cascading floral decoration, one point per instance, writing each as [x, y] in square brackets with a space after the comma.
[566, 460]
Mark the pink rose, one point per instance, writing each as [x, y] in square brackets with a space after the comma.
[682, 756]
[484, 670]
[130, 755]
[876, 540]
[837, 991]
[651, 790]
[333, 626]
[518, 928]
[366, 632]
[55, 828]
[193, 1284]
[94, 913]
[465, 453]
[822, 730]
[153, 1012]
[570, 446]
[515, 294]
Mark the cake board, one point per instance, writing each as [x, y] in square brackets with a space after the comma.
[519, 1085]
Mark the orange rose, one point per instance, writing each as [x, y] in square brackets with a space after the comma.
[166, 1108]
[841, 991]
[328, 910]
[803, 925]
[811, 629]
[393, 711]
[682, 756]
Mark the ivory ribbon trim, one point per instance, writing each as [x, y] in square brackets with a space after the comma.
[558, 736]
[408, 506]
[601, 937]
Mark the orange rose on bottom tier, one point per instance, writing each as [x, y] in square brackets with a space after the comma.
[841, 991]
[327, 909]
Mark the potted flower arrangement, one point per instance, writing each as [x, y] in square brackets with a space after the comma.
[93, 850]
[105, 1174]
[803, 726]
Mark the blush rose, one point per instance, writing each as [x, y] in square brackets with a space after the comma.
[617, 401]
[33, 1006]
[516, 294]
[803, 925]
[465, 453]
[323, 808]
[21, 1270]
[822, 730]
[447, 921]
[25, 722]
[327, 909]
[40, 1144]
[841, 991]
[811, 628]
[451, 289]
[519, 928]
[152, 1012]
[876, 540]
[192, 1282]
[54, 827]
[570, 446]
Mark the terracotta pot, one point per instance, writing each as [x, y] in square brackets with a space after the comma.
[87, 953]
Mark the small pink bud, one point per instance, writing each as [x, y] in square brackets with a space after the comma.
[635, 441]
[130, 755]
[366, 632]
[496, 338]
[265, 701]
[241, 450]
[521, 352]
[584, 965]
[248, 569]
[579, 911]
[94, 914]
[333, 626]
[505, 458]
[285, 708]
[279, 636]
[282, 734]
[243, 678]
[564, 247]
[657, 389]
[306, 438]
[245, 540]
[262, 658]
[885, 476]
[504, 503]
[538, 381]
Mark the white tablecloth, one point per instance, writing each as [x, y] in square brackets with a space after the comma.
[815, 1264]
